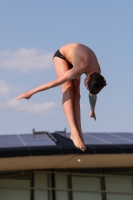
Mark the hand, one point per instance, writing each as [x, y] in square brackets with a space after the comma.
[26, 95]
[92, 114]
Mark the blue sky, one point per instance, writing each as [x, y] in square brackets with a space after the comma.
[31, 31]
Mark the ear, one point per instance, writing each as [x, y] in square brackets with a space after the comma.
[86, 81]
[87, 78]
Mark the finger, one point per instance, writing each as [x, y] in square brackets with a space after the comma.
[18, 97]
[94, 117]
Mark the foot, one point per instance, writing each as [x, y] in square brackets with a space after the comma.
[78, 141]
[81, 136]
[26, 95]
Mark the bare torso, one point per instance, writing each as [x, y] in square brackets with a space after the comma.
[82, 57]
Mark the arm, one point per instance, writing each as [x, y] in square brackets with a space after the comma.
[50, 84]
[92, 99]
[69, 75]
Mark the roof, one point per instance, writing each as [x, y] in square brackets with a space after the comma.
[58, 143]
[44, 150]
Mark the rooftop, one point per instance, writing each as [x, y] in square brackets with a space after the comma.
[45, 143]
[44, 150]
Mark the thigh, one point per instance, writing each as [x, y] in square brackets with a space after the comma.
[61, 66]
[76, 85]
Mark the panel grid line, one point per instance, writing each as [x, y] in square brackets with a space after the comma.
[98, 138]
[21, 140]
[114, 134]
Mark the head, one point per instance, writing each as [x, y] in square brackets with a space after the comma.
[95, 83]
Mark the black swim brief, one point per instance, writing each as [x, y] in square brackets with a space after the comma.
[59, 55]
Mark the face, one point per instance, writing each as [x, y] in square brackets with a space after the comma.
[86, 82]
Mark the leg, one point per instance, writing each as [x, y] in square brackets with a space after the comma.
[67, 89]
[76, 105]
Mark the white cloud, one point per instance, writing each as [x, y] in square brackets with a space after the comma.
[25, 60]
[4, 89]
[46, 108]
[7, 102]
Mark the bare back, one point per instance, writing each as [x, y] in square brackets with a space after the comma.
[82, 57]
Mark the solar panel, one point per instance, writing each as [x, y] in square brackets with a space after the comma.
[37, 140]
[10, 141]
[31, 140]
[92, 139]
[125, 136]
[25, 140]
[106, 138]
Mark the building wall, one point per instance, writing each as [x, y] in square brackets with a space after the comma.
[67, 184]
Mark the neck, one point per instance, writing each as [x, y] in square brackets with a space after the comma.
[88, 74]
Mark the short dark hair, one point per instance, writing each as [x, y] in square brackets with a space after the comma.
[96, 83]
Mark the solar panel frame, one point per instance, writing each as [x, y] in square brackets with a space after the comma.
[90, 138]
